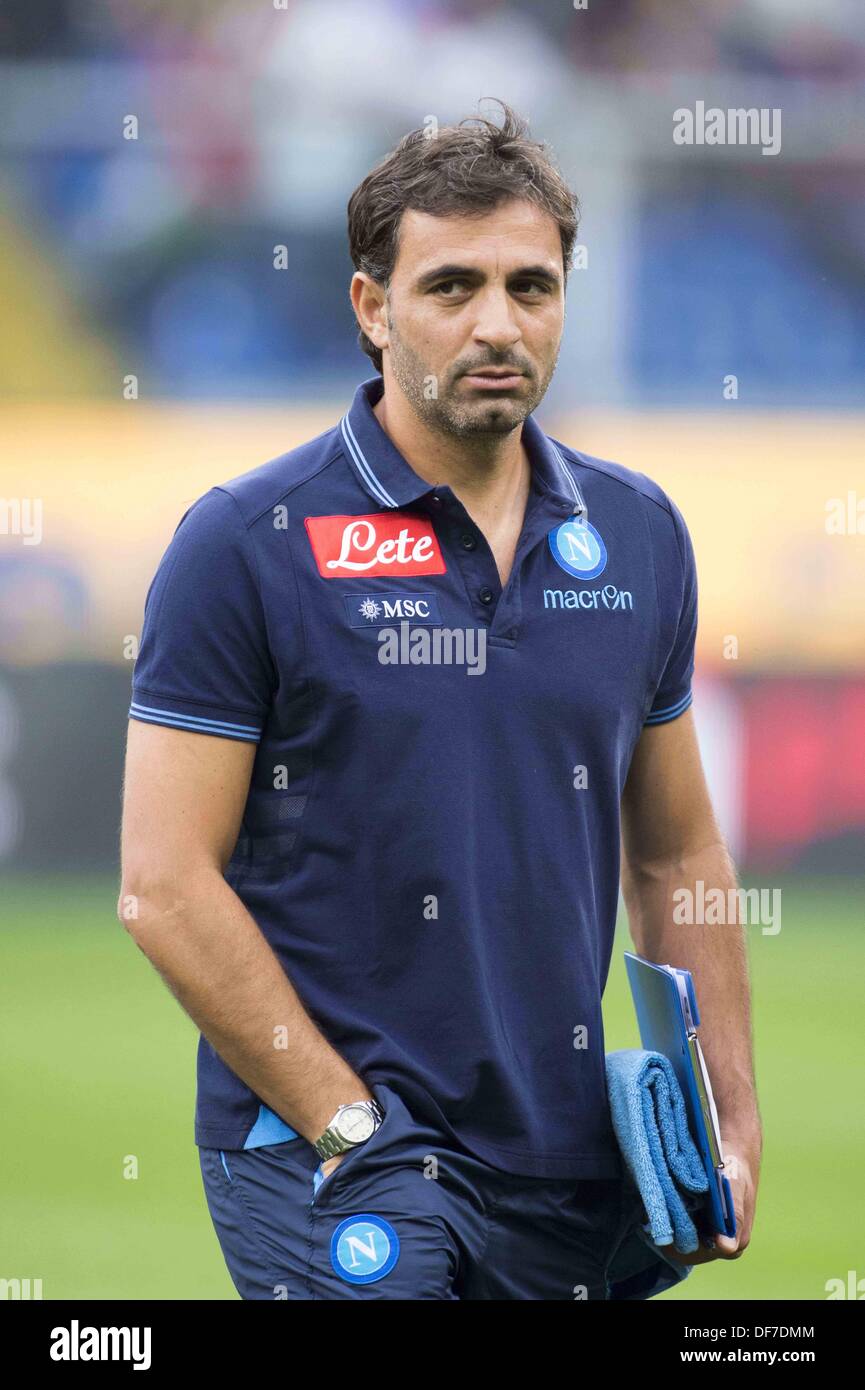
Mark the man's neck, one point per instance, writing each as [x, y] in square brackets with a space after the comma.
[490, 474]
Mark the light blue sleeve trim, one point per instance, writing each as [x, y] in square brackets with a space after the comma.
[194, 723]
[663, 716]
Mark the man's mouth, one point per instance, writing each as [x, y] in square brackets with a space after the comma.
[495, 378]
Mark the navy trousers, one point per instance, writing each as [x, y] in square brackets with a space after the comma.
[406, 1216]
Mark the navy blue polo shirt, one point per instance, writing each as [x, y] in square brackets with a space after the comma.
[431, 838]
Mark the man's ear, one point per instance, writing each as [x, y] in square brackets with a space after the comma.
[368, 300]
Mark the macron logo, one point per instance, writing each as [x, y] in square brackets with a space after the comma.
[77, 1343]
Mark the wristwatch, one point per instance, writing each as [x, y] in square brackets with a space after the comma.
[352, 1124]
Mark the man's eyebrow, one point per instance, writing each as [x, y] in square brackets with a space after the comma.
[536, 272]
[453, 271]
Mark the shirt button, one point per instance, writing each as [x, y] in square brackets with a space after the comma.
[485, 595]
[436, 500]
[468, 542]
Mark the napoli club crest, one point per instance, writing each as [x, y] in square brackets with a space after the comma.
[578, 548]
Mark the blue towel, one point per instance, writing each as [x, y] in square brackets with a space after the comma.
[651, 1125]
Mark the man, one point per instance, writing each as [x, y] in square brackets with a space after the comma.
[401, 695]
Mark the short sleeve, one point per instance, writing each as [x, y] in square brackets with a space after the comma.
[204, 664]
[673, 695]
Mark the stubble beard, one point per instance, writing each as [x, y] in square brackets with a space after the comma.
[443, 409]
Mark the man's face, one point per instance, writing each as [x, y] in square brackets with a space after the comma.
[475, 310]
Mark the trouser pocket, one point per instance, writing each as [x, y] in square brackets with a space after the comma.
[259, 1202]
[379, 1228]
[375, 1220]
[395, 1130]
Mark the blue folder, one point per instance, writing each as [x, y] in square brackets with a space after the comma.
[668, 1018]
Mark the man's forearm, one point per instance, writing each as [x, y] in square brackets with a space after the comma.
[716, 956]
[220, 968]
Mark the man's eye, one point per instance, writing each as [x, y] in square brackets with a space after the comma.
[531, 287]
[448, 285]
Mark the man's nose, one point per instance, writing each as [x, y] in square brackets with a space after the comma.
[495, 324]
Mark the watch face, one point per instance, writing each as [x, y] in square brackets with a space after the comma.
[356, 1123]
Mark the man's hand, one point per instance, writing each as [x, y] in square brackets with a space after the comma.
[742, 1152]
[671, 842]
[331, 1164]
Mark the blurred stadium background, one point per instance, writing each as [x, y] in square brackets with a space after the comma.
[154, 157]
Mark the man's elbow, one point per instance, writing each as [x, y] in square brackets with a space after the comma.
[152, 900]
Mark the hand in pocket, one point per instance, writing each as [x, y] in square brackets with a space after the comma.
[331, 1171]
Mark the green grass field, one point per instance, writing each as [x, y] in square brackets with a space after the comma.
[99, 1064]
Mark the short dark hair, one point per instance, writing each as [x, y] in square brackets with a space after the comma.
[470, 167]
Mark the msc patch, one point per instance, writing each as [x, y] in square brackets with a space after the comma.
[363, 1249]
[372, 610]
